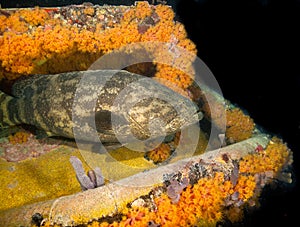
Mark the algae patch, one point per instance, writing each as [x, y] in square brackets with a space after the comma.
[46, 177]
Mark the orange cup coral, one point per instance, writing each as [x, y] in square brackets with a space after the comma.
[18, 137]
[36, 41]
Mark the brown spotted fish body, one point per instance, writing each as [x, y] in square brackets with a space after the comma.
[105, 102]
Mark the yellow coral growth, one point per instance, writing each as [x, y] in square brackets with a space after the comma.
[273, 158]
[239, 125]
[37, 180]
[18, 137]
[33, 42]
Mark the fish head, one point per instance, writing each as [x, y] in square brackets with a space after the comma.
[146, 109]
[153, 117]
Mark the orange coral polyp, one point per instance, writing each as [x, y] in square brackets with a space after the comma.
[160, 153]
[142, 10]
[18, 138]
[239, 126]
[34, 17]
[245, 186]
[270, 159]
[165, 12]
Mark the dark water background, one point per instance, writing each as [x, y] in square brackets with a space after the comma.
[252, 48]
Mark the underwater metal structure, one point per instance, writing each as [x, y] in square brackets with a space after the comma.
[111, 198]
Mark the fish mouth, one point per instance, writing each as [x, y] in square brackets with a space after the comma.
[199, 115]
[179, 123]
[166, 129]
[195, 118]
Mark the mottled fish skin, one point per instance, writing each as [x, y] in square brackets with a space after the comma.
[47, 102]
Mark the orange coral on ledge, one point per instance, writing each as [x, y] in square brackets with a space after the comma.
[239, 126]
[275, 157]
[34, 41]
[211, 199]
[216, 196]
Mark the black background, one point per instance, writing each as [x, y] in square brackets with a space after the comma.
[252, 49]
[251, 46]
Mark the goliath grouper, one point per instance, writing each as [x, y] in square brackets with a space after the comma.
[114, 104]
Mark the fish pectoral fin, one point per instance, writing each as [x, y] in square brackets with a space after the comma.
[103, 148]
[41, 134]
[112, 146]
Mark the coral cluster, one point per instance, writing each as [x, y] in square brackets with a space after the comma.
[18, 137]
[35, 41]
[165, 150]
[159, 154]
[239, 126]
[273, 158]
